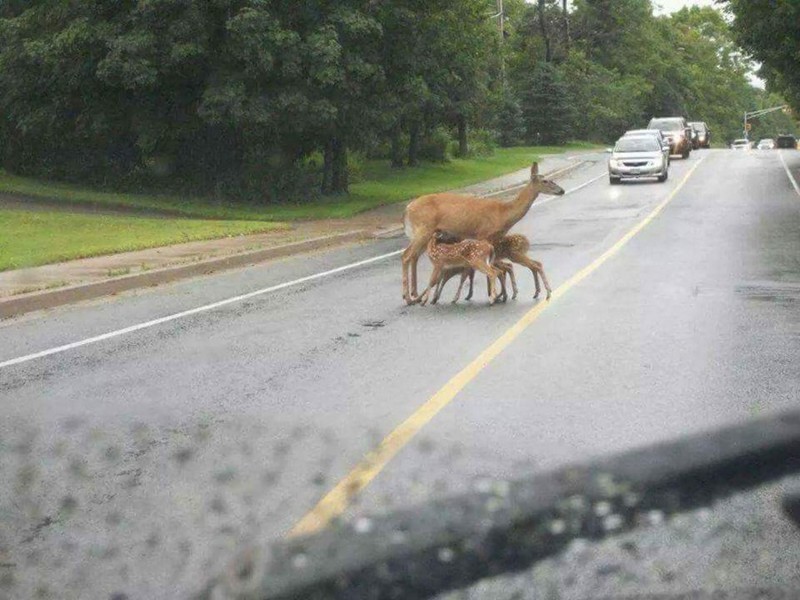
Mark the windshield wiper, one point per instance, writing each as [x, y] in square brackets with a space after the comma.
[451, 543]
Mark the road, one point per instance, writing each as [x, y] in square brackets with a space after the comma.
[138, 463]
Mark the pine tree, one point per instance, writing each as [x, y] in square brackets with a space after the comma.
[546, 110]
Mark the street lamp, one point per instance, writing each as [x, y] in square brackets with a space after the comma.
[758, 113]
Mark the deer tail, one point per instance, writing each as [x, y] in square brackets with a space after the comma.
[409, 229]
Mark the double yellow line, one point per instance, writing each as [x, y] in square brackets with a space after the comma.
[338, 499]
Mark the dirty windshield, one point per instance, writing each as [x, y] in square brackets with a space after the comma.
[309, 299]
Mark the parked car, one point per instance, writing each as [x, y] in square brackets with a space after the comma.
[766, 144]
[703, 133]
[637, 157]
[786, 141]
[651, 133]
[677, 132]
[741, 144]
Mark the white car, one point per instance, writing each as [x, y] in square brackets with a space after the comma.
[637, 157]
[766, 144]
[742, 144]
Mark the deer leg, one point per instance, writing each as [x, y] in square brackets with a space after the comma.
[506, 268]
[437, 273]
[510, 270]
[414, 276]
[471, 284]
[464, 274]
[544, 280]
[410, 257]
[537, 269]
[501, 275]
[490, 273]
[446, 276]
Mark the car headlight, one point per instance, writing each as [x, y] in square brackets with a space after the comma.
[613, 163]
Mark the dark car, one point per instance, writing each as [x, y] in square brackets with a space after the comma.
[703, 134]
[678, 134]
[786, 141]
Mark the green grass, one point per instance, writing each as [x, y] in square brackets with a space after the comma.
[31, 238]
[381, 185]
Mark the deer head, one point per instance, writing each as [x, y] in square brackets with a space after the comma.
[544, 186]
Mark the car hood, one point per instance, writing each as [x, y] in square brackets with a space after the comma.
[636, 155]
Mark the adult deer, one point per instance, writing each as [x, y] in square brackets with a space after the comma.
[464, 216]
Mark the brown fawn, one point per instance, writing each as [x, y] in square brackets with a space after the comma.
[512, 247]
[477, 255]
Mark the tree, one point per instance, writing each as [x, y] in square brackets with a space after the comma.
[546, 106]
[768, 29]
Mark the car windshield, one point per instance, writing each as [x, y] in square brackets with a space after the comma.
[698, 126]
[399, 299]
[666, 124]
[637, 144]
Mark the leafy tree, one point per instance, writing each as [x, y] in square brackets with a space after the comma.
[768, 29]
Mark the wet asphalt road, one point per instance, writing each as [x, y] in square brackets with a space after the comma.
[137, 464]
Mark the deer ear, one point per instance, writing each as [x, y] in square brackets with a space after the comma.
[534, 170]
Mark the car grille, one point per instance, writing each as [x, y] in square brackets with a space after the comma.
[634, 163]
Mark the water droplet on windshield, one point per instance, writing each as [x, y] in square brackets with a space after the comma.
[300, 561]
[363, 525]
[446, 555]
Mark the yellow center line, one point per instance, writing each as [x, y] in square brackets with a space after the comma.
[335, 502]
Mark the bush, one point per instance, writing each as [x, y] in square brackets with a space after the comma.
[436, 145]
[355, 166]
[482, 142]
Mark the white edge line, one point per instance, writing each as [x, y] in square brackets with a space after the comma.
[789, 173]
[207, 307]
[194, 311]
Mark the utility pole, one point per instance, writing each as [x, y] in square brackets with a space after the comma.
[501, 21]
[502, 42]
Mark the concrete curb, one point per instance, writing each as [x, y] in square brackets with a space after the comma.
[508, 526]
[14, 306]
[23, 303]
[549, 175]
